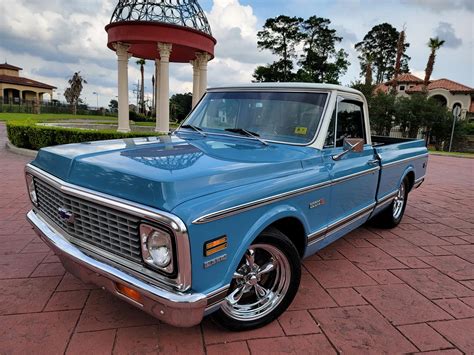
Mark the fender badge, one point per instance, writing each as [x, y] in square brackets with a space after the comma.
[317, 203]
[214, 261]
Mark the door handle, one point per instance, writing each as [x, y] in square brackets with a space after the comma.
[373, 162]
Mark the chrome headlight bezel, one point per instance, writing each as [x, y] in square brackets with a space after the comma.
[30, 185]
[162, 236]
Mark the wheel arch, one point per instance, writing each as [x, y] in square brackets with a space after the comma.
[283, 217]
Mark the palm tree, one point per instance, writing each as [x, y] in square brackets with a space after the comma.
[73, 92]
[141, 63]
[400, 48]
[434, 44]
[369, 59]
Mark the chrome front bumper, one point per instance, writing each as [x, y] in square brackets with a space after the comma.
[175, 308]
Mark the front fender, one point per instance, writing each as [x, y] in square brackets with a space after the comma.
[264, 221]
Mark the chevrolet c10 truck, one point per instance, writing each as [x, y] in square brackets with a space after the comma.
[215, 218]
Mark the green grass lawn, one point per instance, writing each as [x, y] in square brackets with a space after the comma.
[452, 154]
[7, 116]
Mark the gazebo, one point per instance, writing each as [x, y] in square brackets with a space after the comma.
[164, 31]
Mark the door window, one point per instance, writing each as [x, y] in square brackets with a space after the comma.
[350, 121]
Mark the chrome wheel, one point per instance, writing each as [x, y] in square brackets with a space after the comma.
[259, 284]
[399, 202]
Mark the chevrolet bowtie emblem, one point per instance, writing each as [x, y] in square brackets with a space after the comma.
[66, 215]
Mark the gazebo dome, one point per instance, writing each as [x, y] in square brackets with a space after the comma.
[185, 13]
[143, 23]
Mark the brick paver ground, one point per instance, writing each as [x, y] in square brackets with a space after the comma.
[407, 290]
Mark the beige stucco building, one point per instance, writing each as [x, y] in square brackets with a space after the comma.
[449, 93]
[16, 89]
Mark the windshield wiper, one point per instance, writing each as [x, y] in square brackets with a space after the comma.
[197, 129]
[244, 132]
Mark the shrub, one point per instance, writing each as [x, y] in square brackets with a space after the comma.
[31, 136]
[138, 117]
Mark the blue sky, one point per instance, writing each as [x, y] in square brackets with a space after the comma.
[52, 39]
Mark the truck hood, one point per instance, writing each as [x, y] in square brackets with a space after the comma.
[166, 171]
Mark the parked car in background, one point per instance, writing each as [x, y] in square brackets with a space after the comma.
[217, 217]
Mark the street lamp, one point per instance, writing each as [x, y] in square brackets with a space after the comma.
[97, 94]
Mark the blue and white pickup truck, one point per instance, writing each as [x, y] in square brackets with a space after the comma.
[217, 217]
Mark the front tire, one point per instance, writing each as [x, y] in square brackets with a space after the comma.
[393, 214]
[264, 284]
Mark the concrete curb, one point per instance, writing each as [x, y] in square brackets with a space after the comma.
[21, 151]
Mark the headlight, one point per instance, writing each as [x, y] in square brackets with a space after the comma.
[157, 248]
[30, 184]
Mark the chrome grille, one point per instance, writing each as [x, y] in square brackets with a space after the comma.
[101, 226]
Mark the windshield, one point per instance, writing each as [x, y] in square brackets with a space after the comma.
[290, 117]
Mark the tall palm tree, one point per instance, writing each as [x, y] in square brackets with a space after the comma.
[369, 59]
[434, 44]
[141, 63]
[398, 60]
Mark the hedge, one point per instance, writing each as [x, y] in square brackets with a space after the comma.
[31, 136]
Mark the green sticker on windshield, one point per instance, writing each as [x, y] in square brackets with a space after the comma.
[301, 130]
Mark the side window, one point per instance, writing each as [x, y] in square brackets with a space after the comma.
[329, 142]
[350, 121]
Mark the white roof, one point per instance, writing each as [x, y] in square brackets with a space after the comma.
[292, 85]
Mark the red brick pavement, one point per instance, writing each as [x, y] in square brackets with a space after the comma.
[407, 290]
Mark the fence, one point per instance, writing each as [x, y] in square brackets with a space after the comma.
[17, 105]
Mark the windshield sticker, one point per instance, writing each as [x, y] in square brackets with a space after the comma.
[301, 130]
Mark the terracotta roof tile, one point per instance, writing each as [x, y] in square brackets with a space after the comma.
[9, 66]
[7, 79]
[408, 78]
[381, 87]
[443, 84]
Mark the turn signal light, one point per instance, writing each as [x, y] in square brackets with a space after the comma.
[215, 245]
[129, 292]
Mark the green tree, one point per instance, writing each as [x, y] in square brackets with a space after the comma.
[180, 106]
[72, 94]
[281, 35]
[272, 72]
[113, 105]
[417, 111]
[434, 44]
[382, 112]
[321, 62]
[381, 43]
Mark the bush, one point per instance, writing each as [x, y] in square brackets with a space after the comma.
[30, 136]
[138, 117]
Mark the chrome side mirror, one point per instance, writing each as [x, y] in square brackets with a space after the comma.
[355, 145]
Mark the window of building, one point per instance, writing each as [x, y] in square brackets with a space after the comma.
[402, 87]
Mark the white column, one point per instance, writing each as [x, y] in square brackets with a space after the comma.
[122, 59]
[196, 93]
[203, 59]
[157, 94]
[164, 98]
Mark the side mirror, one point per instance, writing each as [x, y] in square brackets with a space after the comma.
[355, 145]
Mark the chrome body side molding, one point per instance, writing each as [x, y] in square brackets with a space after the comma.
[339, 224]
[404, 160]
[265, 201]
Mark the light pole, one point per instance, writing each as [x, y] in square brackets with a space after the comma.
[97, 94]
[456, 114]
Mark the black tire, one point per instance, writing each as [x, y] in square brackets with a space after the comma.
[391, 216]
[271, 245]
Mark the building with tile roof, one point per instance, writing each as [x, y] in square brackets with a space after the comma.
[449, 93]
[17, 89]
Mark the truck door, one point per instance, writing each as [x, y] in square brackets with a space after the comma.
[354, 175]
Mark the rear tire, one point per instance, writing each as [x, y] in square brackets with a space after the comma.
[264, 284]
[391, 216]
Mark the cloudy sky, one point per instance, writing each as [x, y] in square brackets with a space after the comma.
[52, 39]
